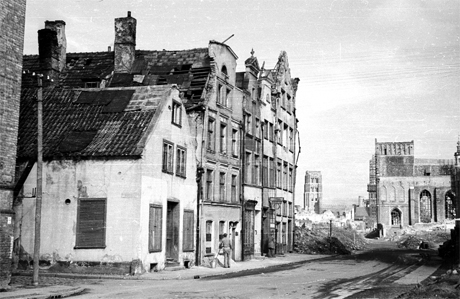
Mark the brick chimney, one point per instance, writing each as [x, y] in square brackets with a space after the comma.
[52, 49]
[125, 43]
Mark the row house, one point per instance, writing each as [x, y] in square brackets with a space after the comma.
[147, 153]
[269, 156]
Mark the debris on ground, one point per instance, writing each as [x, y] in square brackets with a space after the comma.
[318, 241]
[443, 286]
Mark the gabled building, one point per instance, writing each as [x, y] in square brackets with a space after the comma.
[269, 156]
[119, 160]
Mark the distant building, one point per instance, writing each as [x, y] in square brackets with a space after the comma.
[12, 21]
[313, 191]
[361, 210]
[409, 190]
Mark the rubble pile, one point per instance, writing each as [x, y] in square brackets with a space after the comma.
[413, 239]
[444, 286]
[311, 241]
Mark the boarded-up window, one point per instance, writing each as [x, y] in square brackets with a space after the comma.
[188, 231]
[155, 228]
[91, 223]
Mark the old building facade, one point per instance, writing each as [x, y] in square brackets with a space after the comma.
[12, 21]
[410, 190]
[119, 161]
[313, 191]
[200, 168]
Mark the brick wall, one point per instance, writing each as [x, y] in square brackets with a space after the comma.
[12, 21]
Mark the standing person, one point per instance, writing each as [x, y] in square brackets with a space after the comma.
[271, 247]
[226, 245]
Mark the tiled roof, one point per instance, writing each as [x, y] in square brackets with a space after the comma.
[189, 69]
[112, 124]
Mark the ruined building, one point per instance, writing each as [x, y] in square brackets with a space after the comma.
[313, 191]
[404, 190]
[12, 21]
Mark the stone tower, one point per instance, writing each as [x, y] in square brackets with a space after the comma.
[12, 21]
[313, 192]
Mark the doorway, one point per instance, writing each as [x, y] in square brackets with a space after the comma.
[172, 231]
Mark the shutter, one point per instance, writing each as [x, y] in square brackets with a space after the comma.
[155, 228]
[91, 223]
[188, 231]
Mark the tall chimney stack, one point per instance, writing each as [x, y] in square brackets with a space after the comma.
[52, 49]
[125, 43]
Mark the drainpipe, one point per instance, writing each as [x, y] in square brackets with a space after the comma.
[199, 176]
[243, 168]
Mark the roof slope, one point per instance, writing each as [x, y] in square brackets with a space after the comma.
[88, 123]
[189, 69]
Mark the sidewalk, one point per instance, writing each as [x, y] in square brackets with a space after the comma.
[57, 285]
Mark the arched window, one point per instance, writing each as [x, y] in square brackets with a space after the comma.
[395, 217]
[450, 205]
[425, 207]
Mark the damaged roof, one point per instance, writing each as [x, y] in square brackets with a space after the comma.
[88, 123]
[188, 69]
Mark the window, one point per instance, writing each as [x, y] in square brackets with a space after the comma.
[291, 139]
[257, 128]
[209, 236]
[286, 136]
[92, 84]
[285, 176]
[288, 103]
[265, 129]
[181, 157]
[271, 167]
[211, 135]
[267, 98]
[221, 229]
[234, 190]
[224, 72]
[291, 183]
[223, 96]
[187, 241]
[222, 190]
[223, 138]
[270, 132]
[278, 174]
[255, 176]
[91, 217]
[234, 142]
[176, 113]
[168, 157]
[249, 123]
[279, 129]
[155, 227]
[247, 174]
[274, 103]
[209, 184]
[265, 171]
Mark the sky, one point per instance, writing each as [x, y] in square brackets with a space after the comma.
[368, 69]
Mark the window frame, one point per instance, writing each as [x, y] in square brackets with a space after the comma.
[211, 135]
[181, 166]
[210, 184]
[222, 186]
[176, 114]
[168, 157]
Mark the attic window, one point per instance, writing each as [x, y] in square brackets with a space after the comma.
[176, 113]
[93, 84]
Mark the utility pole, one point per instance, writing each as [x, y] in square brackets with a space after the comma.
[38, 203]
